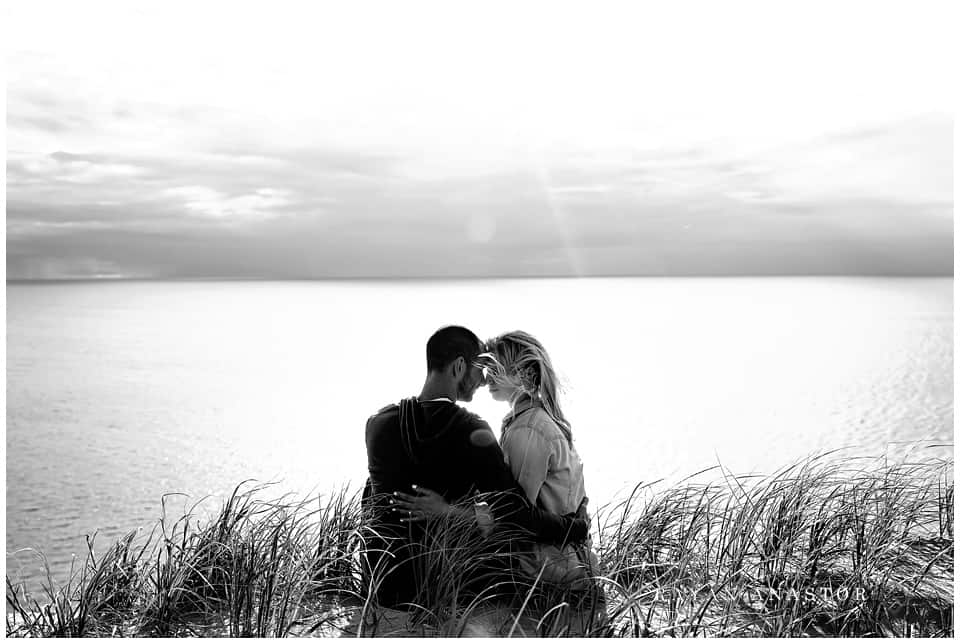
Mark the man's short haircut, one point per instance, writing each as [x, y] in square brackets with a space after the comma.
[450, 343]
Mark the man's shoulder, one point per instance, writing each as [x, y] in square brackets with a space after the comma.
[472, 420]
[386, 408]
[382, 415]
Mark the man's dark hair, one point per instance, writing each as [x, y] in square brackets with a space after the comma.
[450, 343]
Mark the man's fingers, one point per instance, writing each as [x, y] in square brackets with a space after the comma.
[423, 491]
[413, 519]
[405, 506]
[419, 493]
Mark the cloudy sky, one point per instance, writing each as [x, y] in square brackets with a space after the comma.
[285, 140]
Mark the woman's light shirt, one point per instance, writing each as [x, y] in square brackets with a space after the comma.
[547, 467]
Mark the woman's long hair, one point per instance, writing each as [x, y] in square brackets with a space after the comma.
[517, 358]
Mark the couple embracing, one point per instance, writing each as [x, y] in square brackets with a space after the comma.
[432, 464]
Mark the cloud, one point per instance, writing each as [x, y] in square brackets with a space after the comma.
[262, 203]
[247, 183]
[50, 124]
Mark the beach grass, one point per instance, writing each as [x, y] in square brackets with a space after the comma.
[830, 546]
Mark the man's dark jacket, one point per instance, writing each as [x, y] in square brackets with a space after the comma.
[429, 444]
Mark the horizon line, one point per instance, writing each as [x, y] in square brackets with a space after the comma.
[462, 278]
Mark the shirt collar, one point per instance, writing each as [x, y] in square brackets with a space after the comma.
[525, 403]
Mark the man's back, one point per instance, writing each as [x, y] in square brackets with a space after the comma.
[426, 444]
[423, 443]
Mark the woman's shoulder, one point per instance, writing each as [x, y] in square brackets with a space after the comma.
[537, 421]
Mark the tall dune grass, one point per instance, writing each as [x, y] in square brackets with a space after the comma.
[824, 547]
[828, 546]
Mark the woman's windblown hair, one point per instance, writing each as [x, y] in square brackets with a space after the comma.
[517, 358]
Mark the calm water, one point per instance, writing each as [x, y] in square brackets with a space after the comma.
[118, 393]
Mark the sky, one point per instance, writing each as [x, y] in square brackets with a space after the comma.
[318, 140]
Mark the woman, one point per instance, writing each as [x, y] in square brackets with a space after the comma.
[536, 438]
[537, 443]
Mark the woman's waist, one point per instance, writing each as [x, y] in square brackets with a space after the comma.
[561, 499]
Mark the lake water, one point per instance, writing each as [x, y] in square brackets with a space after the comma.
[120, 392]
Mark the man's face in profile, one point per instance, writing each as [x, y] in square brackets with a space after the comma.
[470, 382]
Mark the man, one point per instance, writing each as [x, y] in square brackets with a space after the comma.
[431, 442]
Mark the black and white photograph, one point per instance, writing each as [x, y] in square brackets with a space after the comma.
[479, 319]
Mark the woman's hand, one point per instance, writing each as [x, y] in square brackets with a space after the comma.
[421, 505]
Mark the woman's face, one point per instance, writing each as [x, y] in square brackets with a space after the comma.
[502, 391]
[504, 388]
[504, 381]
